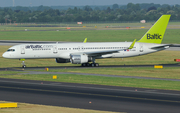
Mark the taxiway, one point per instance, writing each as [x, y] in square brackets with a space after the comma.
[97, 97]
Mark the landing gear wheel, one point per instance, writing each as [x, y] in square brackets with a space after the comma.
[87, 64]
[96, 64]
[92, 65]
[83, 65]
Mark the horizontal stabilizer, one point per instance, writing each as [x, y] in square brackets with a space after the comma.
[162, 46]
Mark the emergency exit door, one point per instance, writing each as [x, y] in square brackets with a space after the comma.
[22, 50]
[55, 49]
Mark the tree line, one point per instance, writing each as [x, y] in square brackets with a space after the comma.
[129, 12]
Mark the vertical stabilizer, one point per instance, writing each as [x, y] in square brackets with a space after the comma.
[156, 32]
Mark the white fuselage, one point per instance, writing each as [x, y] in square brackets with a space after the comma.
[64, 50]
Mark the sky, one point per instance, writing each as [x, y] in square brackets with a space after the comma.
[7, 3]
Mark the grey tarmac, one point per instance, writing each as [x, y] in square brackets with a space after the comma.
[86, 96]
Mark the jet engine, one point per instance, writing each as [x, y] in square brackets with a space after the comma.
[61, 60]
[79, 59]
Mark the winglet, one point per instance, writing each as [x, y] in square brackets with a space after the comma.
[85, 40]
[132, 45]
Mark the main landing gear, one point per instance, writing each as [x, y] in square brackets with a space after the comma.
[90, 65]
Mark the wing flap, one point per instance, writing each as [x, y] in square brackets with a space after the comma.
[99, 53]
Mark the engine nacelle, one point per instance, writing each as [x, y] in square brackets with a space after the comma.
[79, 59]
[60, 60]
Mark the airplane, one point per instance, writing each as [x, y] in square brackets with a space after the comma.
[86, 52]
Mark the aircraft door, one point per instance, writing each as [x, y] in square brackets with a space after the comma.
[55, 49]
[22, 50]
[141, 48]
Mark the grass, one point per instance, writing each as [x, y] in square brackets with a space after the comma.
[72, 25]
[73, 36]
[6, 72]
[167, 72]
[171, 35]
[112, 81]
[34, 108]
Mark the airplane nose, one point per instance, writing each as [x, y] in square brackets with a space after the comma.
[5, 55]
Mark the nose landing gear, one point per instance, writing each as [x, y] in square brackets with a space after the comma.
[23, 63]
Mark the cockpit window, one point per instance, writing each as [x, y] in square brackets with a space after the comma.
[12, 50]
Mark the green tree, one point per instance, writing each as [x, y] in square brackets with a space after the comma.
[108, 10]
[87, 8]
[115, 6]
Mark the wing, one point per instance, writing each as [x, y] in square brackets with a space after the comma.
[99, 53]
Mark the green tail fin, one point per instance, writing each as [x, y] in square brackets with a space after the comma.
[156, 32]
